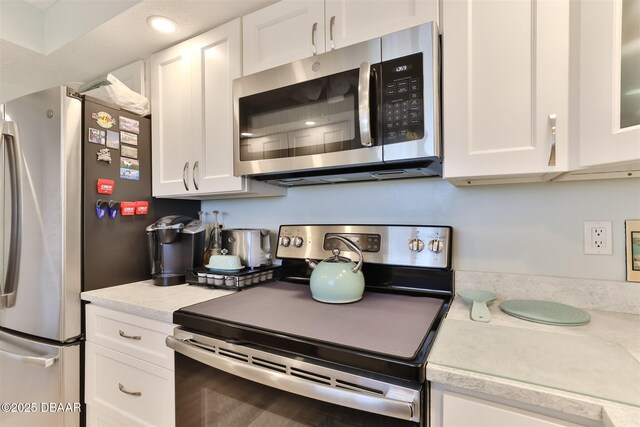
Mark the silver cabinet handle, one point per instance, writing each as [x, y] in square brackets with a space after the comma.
[10, 139]
[130, 393]
[41, 361]
[196, 176]
[184, 175]
[314, 28]
[552, 154]
[131, 337]
[364, 114]
[332, 22]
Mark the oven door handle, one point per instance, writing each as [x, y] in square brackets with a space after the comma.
[402, 409]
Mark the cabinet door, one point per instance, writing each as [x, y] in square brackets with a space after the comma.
[283, 32]
[172, 129]
[505, 74]
[216, 62]
[348, 22]
[609, 82]
[464, 411]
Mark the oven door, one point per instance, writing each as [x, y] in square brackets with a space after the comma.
[316, 113]
[223, 384]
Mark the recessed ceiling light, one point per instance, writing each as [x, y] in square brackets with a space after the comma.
[162, 24]
[310, 123]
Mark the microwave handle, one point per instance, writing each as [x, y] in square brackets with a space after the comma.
[364, 109]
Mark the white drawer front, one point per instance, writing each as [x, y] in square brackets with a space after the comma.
[138, 391]
[97, 417]
[133, 335]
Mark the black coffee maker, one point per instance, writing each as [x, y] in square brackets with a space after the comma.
[176, 244]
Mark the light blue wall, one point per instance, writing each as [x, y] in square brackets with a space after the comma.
[520, 228]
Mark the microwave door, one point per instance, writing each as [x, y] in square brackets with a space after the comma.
[322, 120]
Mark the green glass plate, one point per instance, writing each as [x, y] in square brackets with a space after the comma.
[547, 312]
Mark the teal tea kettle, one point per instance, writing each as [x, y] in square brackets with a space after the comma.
[337, 280]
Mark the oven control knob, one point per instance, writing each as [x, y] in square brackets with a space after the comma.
[297, 241]
[416, 245]
[435, 246]
[284, 241]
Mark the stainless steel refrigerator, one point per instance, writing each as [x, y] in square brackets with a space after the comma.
[62, 232]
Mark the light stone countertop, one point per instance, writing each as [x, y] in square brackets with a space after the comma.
[154, 302]
[513, 377]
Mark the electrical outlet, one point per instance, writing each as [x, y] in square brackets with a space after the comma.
[598, 238]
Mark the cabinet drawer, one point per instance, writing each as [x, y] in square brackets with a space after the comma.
[137, 391]
[133, 335]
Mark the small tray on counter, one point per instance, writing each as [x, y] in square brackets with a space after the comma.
[236, 280]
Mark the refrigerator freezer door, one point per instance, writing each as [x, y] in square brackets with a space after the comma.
[40, 383]
[47, 301]
[12, 196]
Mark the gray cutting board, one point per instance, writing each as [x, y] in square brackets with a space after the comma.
[578, 364]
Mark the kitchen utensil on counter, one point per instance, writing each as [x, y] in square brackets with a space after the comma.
[252, 245]
[547, 312]
[224, 262]
[337, 280]
[215, 240]
[478, 300]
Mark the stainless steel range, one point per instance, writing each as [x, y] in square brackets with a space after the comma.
[272, 355]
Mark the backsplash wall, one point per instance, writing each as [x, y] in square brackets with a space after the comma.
[516, 228]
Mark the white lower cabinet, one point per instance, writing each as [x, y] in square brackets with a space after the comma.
[129, 373]
[450, 408]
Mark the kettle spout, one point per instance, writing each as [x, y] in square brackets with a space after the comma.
[312, 264]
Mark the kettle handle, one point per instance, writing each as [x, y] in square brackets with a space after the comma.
[353, 246]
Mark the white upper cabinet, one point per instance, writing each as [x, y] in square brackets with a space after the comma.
[505, 90]
[294, 29]
[609, 82]
[283, 32]
[171, 119]
[349, 22]
[193, 121]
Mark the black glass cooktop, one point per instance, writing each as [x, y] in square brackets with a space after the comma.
[384, 333]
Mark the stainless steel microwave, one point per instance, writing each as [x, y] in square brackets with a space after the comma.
[363, 112]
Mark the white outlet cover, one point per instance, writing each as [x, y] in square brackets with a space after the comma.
[592, 249]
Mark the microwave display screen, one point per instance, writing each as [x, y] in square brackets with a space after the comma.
[313, 117]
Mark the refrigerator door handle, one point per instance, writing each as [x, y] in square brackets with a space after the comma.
[11, 141]
[41, 361]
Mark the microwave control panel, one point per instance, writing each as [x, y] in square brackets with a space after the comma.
[402, 99]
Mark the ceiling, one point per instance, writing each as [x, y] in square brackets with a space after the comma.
[59, 41]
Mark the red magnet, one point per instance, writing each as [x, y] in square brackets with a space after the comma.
[105, 186]
[142, 208]
[127, 208]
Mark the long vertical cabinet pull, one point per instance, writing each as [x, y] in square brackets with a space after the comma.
[10, 139]
[332, 22]
[314, 28]
[184, 175]
[196, 175]
[552, 153]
